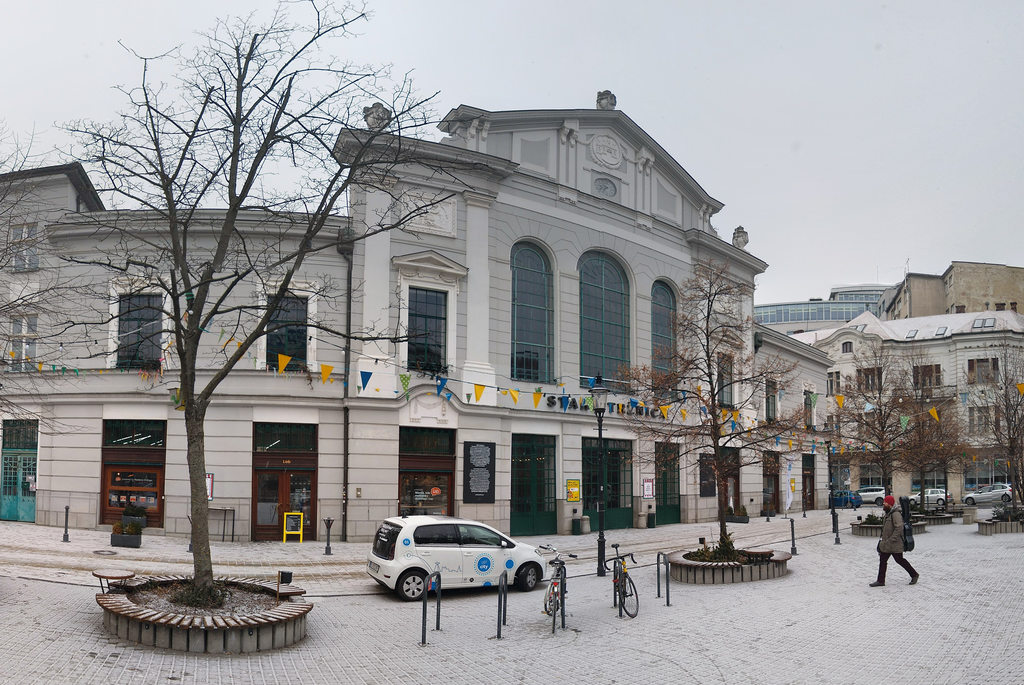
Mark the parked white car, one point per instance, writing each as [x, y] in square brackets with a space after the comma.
[466, 553]
[873, 494]
[989, 493]
[932, 497]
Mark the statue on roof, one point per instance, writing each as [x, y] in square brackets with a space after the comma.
[606, 99]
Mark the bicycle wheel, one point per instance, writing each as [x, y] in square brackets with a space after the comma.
[628, 597]
[551, 599]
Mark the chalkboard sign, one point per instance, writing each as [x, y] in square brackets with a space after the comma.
[293, 524]
[478, 473]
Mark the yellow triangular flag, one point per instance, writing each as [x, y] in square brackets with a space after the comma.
[682, 412]
[282, 362]
[842, 449]
[11, 353]
[735, 416]
[790, 444]
[40, 366]
[325, 372]
[935, 414]
[664, 411]
[230, 340]
[840, 399]
[536, 399]
[725, 412]
[478, 390]
[515, 395]
[1020, 388]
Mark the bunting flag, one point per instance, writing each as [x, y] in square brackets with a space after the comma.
[778, 440]
[725, 413]
[814, 399]
[735, 417]
[468, 395]
[664, 411]
[682, 412]
[814, 447]
[633, 402]
[441, 382]
[733, 426]
[934, 413]
[904, 420]
[842, 449]
[229, 341]
[963, 397]
[325, 372]
[868, 406]
[404, 378]
[790, 444]
[515, 396]
[536, 399]
[282, 362]
[698, 391]
[1020, 388]
[365, 377]
[840, 399]
[684, 393]
[592, 381]
[478, 390]
[565, 402]
[587, 401]
[703, 409]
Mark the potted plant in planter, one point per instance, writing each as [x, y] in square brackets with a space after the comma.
[129, 535]
[134, 514]
[739, 516]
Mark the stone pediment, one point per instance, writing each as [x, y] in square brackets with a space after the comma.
[429, 263]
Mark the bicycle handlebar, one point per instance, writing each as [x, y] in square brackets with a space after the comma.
[619, 557]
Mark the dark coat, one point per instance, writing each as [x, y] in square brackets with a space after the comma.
[892, 532]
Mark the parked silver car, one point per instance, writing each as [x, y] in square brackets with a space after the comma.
[989, 493]
[932, 497]
[873, 494]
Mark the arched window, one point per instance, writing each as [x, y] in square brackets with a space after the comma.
[532, 314]
[604, 316]
[663, 316]
[847, 347]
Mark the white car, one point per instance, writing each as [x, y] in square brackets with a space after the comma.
[989, 493]
[935, 497]
[467, 553]
[873, 494]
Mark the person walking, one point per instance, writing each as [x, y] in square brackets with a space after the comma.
[891, 543]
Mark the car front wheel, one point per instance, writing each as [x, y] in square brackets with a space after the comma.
[940, 502]
[969, 501]
[411, 585]
[878, 501]
[1006, 498]
[528, 577]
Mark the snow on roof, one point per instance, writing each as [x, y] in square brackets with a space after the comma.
[923, 327]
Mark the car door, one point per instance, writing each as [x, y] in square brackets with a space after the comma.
[437, 546]
[484, 558]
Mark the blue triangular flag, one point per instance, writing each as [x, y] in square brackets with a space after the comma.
[365, 375]
[441, 382]
[592, 380]
[565, 402]
[633, 402]
[868, 406]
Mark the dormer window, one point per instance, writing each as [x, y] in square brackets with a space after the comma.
[984, 323]
[912, 334]
[941, 330]
[847, 347]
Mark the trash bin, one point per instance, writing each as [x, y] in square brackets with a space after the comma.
[586, 525]
[651, 519]
[577, 526]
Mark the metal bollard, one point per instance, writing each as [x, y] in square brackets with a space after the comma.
[67, 508]
[431, 581]
[663, 558]
[328, 522]
[835, 526]
[792, 536]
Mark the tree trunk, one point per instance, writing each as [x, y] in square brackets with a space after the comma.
[202, 560]
[722, 490]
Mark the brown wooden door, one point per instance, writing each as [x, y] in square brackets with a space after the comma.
[276, 492]
[808, 491]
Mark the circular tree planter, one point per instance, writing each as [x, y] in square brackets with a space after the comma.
[225, 633]
[874, 530]
[761, 564]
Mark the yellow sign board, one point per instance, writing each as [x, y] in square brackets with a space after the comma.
[572, 490]
[792, 484]
[292, 524]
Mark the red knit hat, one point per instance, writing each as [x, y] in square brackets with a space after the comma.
[890, 500]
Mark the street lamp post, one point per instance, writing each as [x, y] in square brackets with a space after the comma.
[831, 492]
[600, 395]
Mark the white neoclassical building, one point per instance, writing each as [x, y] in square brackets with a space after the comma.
[553, 256]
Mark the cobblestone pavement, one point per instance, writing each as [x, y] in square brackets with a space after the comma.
[819, 624]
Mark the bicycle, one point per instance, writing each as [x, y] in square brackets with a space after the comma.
[555, 596]
[624, 593]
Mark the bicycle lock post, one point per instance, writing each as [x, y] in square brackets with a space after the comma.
[792, 536]
[663, 558]
[428, 582]
[502, 602]
[561, 593]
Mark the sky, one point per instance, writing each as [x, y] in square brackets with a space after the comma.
[854, 140]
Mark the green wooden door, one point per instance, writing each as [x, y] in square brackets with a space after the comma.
[666, 483]
[18, 470]
[533, 485]
[619, 483]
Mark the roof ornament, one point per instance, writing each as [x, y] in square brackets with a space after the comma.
[376, 116]
[740, 237]
[606, 99]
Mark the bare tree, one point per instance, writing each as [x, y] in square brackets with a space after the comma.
[266, 124]
[713, 375]
[872, 407]
[1007, 423]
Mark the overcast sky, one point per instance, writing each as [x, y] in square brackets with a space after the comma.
[851, 139]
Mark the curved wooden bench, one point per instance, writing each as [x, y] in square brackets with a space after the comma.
[274, 628]
[722, 572]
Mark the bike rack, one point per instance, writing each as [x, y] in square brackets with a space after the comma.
[428, 583]
[662, 557]
[561, 596]
[617, 571]
[502, 602]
